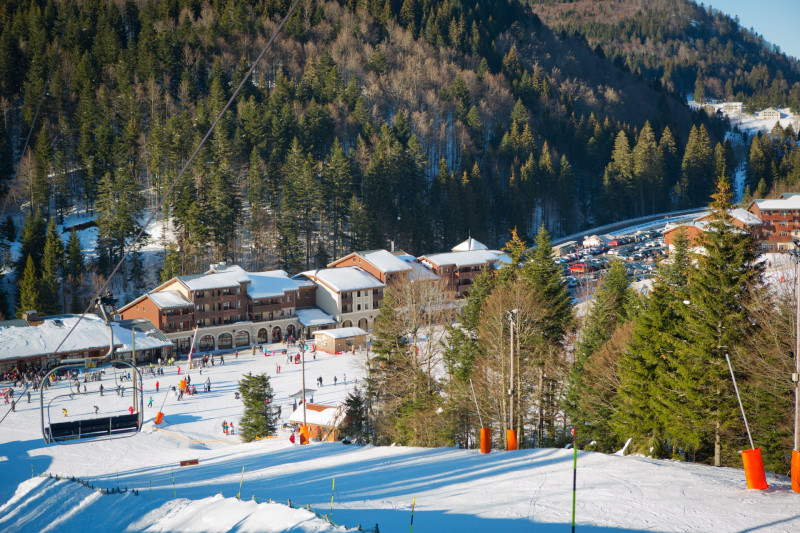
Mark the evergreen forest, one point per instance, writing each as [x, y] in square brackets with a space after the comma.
[368, 122]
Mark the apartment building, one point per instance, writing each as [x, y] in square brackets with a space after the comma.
[228, 308]
[462, 265]
[779, 222]
[349, 294]
[383, 265]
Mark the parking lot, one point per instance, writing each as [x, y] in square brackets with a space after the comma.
[640, 252]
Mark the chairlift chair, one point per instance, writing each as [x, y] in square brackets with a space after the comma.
[90, 427]
[94, 427]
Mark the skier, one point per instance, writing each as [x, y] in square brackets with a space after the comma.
[225, 427]
[222, 359]
[150, 403]
[335, 380]
[208, 384]
[101, 389]
[96, 409]
[64, 411]
[29, 396]
[156, 386]
[194, 390]
[231, 427]
[344, 378]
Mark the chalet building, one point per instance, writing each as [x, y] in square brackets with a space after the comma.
[229, 308]
[771, 113]
[779, 222]
[460, 266]
[742, 219]
[383, 265]
[31, 342]
[349, 294]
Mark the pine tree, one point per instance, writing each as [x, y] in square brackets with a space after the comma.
[260, 419]
[74, 270]
[30, 298]
[52, 264]
[356, 411]
[703, 406]
[172, 264]
[543, 274]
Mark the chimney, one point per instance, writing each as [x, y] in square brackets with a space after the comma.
[31, 316]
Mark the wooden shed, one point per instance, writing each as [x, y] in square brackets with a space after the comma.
[340, 339]
[323, 421]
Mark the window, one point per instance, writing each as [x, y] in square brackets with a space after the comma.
[288, 297]
[366, 306]
[358, 293]
[358, 307]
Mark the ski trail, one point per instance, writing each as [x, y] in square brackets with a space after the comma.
[87, 501]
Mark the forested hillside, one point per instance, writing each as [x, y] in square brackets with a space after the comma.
[688, 49]
[419, 122]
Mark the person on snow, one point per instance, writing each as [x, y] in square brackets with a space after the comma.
[96, 409]
[225, 427]
[231, 428]
[222, 359]
[101, 387]
[208, 384]
[335, 380]
[150, 403]
[29, 396]
[64, 411]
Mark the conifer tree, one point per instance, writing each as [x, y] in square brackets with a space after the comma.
[52, 264]
[30, 297]
[260, 418]
[172, 263]
[74, 270]
[703, 406]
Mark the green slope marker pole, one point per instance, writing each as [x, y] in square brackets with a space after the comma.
[31, 471]
[574, 473]
[333, 486]
[240, 485]
[413, 502]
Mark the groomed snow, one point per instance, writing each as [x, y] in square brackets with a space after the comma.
[454, 490]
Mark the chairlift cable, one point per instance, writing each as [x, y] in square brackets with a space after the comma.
[38, 106]
[180, 175]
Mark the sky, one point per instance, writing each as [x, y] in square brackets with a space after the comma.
[776, 20]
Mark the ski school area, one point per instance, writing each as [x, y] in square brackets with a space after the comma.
[187, 474]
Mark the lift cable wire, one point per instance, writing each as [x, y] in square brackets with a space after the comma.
[128, 250]
[38, 106]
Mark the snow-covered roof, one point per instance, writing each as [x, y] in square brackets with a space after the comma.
[745, 216]
[345, 278]
[459, 259]
[169, 299]
[318, 415]
[341, 333]
[792, 202]
[420, 273]
[230, 277]
[313, 317]
[271, 283]
[90, 334]
[469, 245]
[386, 261]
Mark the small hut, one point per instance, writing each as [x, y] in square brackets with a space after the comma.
[323, 421]
[340, 339]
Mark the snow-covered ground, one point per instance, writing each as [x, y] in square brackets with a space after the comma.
[453, 489]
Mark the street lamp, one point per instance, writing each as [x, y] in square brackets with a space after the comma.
[511, 434]
[304, 430]
[795, 255]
